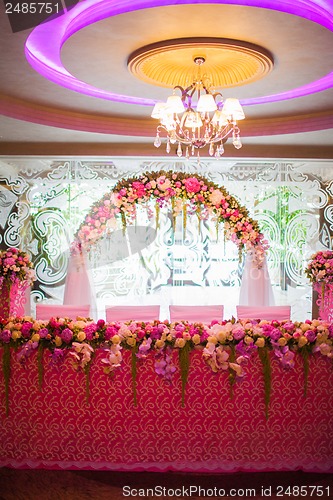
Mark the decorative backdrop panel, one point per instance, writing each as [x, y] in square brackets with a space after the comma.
[43, 200]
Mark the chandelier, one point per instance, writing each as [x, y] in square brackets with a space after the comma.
[197, 118]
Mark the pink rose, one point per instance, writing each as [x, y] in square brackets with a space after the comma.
[192, 185]
[139, 189]
[9, 261]
[163, 183]
[238, 333]
[216, 197]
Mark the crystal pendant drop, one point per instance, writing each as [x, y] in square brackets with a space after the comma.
[187, 155]
[221, 149]
[179, 150]
[192, 151]
[237, 142]
[157, 141]
[211, 149]
[168, 147]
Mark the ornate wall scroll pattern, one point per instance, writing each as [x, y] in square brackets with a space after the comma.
[15, 221]
[42, 202]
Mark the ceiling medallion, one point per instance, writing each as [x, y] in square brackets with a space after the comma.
[195, 68]
[229, 63]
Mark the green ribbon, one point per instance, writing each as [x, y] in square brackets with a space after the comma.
[184, 361]
[267, 373]
[6, 373]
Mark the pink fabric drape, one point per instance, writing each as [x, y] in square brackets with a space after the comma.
[196, 313]
[137, 313]
[278, 313]
[47, 311]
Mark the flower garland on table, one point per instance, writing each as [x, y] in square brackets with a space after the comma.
[187, 193]
[226, 345]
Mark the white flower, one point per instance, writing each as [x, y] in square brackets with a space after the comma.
[82, 353]
[237, 368]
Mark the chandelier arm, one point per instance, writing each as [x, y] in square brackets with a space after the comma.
[194, 89]
[183, 135]
[185, 97]
[223, 134]
[183, 91]
[190, 87]
[182, 139]
[216, 94]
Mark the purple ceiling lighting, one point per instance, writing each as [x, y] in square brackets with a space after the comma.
[43, 46]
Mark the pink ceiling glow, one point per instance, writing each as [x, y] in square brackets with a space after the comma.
[43, 46]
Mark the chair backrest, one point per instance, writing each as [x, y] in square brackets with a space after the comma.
[47, 311]
[267, 312]
[198, 314]
[135, 313]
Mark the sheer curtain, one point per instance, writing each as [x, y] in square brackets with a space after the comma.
[79, 289]
[256, 288]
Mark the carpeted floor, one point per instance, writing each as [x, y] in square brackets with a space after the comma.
[107, 485]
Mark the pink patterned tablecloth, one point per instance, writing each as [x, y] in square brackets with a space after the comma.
[56, 428]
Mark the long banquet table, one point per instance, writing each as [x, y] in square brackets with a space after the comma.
[57, 428]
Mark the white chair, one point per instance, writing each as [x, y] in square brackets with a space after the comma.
[270, 313]
[47, 311]
[135, 313]
[196, 314]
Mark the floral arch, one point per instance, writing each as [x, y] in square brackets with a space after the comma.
[184, 193]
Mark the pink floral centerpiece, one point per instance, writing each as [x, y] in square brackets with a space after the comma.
[320, 272]
[320, 267]
[16, 274]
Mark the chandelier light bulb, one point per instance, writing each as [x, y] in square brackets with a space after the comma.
[168, 122]
[158, 110]
[219, 119]
[175, 104]
[233, 110]
[192, 120]
[206, 124]
[206, 104]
